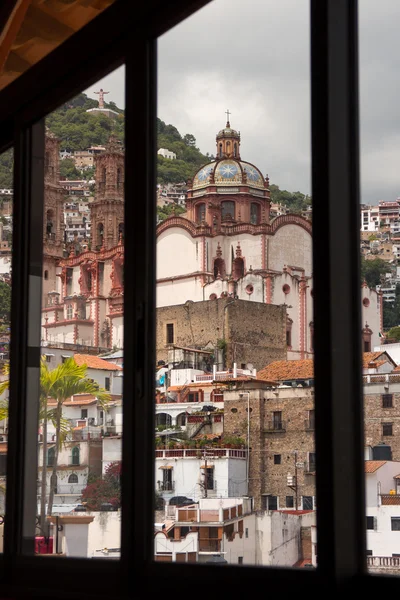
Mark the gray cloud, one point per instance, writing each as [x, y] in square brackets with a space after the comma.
[254, 58]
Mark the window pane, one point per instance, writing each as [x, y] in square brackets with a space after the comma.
[234, 374]
[80, 428]
[380, 244]
[6, 230]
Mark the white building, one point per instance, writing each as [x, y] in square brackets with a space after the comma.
[383, 512]
[166, 153]
[197, 473]
[230, 529]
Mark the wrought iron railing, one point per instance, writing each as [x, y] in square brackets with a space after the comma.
[273, 426]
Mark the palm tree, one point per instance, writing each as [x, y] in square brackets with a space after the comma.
[66, 380]
[60, 383]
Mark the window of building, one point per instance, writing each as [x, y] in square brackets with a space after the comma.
[368, 552]
[69, 311]
[308, 503]
[240, 560]
[200, 212]
[246, 532]
[209, 478]
[395, 521]
[289, 501]
[84, 413]
[193, 397]
[227, 210]
[170, 333]
[370, 522]
[272, 502]
[312, 462]
[46, 274]
[50, 456]
[387, 400]
[254, 213]
[75, 456]
[277, 420]
[277, 459]
[219, 268]
[73, 478]
[107, 383]
[387, 429]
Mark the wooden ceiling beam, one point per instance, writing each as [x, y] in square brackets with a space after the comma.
[11, 27]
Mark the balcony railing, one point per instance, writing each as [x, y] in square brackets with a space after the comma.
[199, 453]
[74, 461]
[275, 426]
[166, 486]
[379, 562]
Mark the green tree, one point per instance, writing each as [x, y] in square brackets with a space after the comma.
[373, 270]
[394, 333]
[69, 170]
[295, 201]
[60, 383]
[163, 212]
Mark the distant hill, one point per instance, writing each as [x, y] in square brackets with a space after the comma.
[78, 130]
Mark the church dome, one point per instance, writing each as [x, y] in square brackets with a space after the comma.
[228, 172]
[228, 131]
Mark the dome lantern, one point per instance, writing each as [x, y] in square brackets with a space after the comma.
[228, 142]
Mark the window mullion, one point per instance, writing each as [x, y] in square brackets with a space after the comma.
[335, 182]
[21, 497]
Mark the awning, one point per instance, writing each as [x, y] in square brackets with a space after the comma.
[165, 467]
[207, 466]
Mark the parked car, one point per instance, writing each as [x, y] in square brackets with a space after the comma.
[181, 501]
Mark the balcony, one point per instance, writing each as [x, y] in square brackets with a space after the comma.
[166, 486]
[209, 545]
[275, 427]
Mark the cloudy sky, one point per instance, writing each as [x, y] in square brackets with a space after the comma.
[253, 58]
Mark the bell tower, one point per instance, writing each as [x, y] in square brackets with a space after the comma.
[228, 142]
[107, 210]
[53, 213]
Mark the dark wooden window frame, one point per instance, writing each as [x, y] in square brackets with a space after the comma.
[112, 39]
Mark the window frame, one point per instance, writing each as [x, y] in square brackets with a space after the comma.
[109, 41]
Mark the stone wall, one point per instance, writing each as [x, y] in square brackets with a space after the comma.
[375, 415]
[254, 332]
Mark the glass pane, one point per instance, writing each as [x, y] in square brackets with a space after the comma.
[235, 454]
[6, 227]
[80, 430]
[380, 297]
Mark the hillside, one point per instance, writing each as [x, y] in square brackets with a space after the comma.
[78, 130]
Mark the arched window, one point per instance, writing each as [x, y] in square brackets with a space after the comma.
[163, 419]
[46, 274]
[238, 268]
[200, 212]
[75, 456]
[121, 231]
[254, 213]
[50, 456]
[219, 268]
[73, 478]
[228, 210]
[119, 179]
[235, 149]
[220, 150]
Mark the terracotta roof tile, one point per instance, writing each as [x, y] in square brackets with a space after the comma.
[390, 500]
[369, 357]
[373, 465]
[282, 370]
[94, 362]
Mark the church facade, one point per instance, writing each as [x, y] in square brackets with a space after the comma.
[83, 286]
[226, 245]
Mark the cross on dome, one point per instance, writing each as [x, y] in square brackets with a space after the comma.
[227, 117]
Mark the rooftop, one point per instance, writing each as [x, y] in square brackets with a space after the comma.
[94, 362]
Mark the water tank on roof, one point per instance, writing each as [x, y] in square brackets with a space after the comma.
[382, 452]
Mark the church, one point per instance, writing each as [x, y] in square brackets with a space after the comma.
[227, 245]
